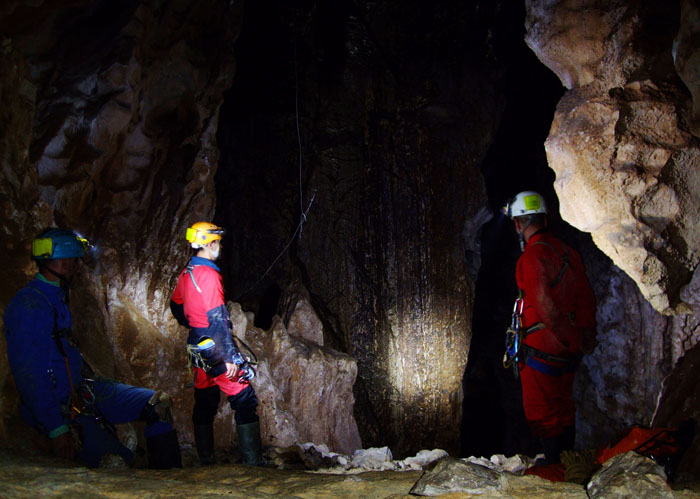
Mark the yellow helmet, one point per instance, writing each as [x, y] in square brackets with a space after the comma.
[203, 233]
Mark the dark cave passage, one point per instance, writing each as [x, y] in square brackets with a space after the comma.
[290, 62]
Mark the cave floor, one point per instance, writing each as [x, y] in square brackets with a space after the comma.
[46, 477]
[40, 476]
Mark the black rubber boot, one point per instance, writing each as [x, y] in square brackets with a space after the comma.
[204, 440]
[249, 443]
[164, 451]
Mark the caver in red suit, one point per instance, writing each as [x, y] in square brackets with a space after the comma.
[559, 326]
[198, 303]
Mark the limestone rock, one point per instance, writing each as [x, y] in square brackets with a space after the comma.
[604, 43]
[372, 458]
[625, 153]
[629, 475]
[305, 324]
[305, 391]
[453, 476]
[395, 124]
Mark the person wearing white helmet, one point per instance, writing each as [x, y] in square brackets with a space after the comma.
[558, 324]
[198, 304]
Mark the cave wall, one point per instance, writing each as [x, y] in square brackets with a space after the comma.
[112, 112]
[621, 141]
[396, 109]
[624, 147]
[109, 119]
[110, 115]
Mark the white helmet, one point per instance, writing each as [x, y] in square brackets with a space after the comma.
[526, 203]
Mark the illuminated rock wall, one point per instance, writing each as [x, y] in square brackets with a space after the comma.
[108, 128]
[395, 111]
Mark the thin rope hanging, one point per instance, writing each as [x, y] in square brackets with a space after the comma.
[303, 212]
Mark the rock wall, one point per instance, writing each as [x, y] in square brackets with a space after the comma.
[394, 110]
[109, 120]
[624, 147]
[620, 144]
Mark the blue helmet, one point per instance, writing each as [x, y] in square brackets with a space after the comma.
[58, 243]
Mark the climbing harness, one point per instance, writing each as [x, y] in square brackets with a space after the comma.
[517, 351]
[247, 364]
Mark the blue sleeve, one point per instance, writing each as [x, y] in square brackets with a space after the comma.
[220, 331]
[178, 311]
[32, 354]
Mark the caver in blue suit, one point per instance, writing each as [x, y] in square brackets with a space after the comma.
[48, 371]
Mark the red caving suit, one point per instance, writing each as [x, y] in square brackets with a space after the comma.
[557, 294]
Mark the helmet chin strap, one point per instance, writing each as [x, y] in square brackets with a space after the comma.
[65, 282]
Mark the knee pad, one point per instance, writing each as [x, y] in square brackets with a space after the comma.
[206, 403]
[158, 408]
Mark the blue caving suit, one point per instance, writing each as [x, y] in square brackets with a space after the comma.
[33, 317]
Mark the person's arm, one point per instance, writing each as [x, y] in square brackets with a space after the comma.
[177, 305]
[219, 322]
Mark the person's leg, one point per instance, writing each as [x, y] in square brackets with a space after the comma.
[541, 403]
[98, 441]
[567, 411]
[206, 404]
[121, 403]
[245, 404]
[241, 396]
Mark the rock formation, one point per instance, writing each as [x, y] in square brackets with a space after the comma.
[624, 147]
[391, 130]
[620, 144]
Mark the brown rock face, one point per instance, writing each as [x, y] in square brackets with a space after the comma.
[392, 129]
[623, 147]
[111, 113]
[626, 152]
[620, 142]
[686, 56]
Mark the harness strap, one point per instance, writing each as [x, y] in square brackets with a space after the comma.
[190, 271]
[56, 336]
[564, 257]
[533, 356]
[533, 329]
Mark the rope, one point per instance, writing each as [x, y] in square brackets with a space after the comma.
[286, 247]
[302, 218]
[296, 111]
